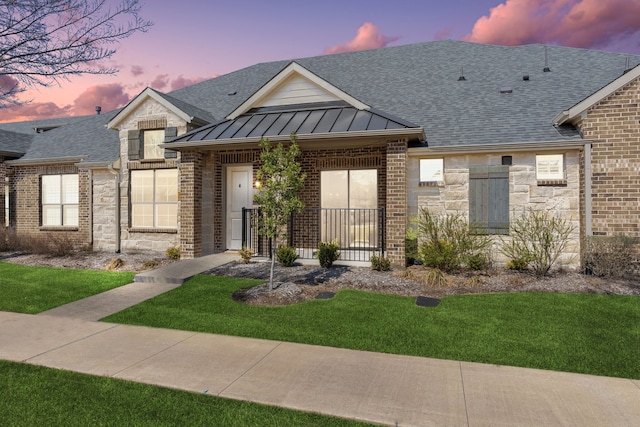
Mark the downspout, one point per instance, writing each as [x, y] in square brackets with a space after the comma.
[587, 191]
[116, 174]
[90, 208]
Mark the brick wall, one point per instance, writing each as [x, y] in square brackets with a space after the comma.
[190, 208]
[613, 126]
[396, 201]
[3, 173]
[26, 183]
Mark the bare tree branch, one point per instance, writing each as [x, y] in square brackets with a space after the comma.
[45, 41]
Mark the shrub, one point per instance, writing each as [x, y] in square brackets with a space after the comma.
[448, 243]
[436, 278]
[537, 238]
[245, 254]
[606, 256]
[115, 264]
[517, 264]
[8, 240]
[411, 242]
[328, 253]
[173, 252]
[55, 245]
[286, 255]
[380, 263]
[150, 264]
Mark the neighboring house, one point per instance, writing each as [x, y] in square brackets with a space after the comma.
[485, 131]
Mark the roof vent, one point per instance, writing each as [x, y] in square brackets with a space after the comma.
[627, 66]
[232, 93]
[506, 89]
[98, 109]
[462, 78]
[546, 68]
[525, 77]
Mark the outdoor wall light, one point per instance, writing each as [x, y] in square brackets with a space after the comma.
[258, 185]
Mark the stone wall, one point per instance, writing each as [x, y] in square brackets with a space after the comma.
[104, 211]
[525, 191]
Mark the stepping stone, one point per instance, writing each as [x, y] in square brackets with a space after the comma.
[427, 302]
[325, 295]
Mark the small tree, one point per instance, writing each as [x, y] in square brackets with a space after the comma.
[43, 41]
[281, 178]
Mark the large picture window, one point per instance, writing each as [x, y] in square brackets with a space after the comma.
[154, 198]
[60, 200]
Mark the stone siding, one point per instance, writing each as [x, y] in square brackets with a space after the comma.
[104, 211]
[452, 196]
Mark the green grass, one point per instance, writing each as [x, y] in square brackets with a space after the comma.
[31, 290]
[33, 395]
[594, 334]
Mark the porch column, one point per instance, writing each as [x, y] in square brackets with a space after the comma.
[3, 174]
[396, 211]
[190, 214]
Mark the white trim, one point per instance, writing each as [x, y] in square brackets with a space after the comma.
[138, 100]
[498, 148]
[590, 101]
[289, 70]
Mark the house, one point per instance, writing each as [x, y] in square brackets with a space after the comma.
[486, 131]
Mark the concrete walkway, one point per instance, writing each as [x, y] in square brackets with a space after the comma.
[373, 387]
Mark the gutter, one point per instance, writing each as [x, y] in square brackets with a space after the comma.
[49, 161]
[417, 132]
[500, 148]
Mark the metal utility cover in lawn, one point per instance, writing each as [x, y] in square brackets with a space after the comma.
[427, 302]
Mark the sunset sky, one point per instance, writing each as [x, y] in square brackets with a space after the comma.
[194, 40]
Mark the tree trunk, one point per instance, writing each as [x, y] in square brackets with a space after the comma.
[273, 264]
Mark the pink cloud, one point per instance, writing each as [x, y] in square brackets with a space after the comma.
[368, 37]
[576, 23]
[136, 70]
[33, 111]
[443, 34]
[160, 82]
[108, 96]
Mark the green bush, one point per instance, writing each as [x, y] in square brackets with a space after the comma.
[8, 240]
[328, 253]
[537, 238]
[448, 243]
[245, 254]
[286, 255]
[380, 263]
[173, 252]
[517, 264]
[608, 256]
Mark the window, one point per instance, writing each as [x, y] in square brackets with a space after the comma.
[60, 200]
[151, 140]
[431, 170]
[6, 205]
[154, 198]
[550, 167]
[489, 199]
[349, 201]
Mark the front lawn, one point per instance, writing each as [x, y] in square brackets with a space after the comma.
[31, 290]
[38, 396]
[594, 334]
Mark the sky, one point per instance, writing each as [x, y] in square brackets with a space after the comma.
[195, 40]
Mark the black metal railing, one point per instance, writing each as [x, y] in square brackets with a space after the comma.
[359, 232]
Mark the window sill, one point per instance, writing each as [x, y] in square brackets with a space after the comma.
[552, 183]
[431, 184]
[152, 230]
[59, 228]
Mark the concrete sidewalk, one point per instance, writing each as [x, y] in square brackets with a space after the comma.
[374, 387]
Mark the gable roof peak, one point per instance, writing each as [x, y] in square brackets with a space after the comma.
[295, 84]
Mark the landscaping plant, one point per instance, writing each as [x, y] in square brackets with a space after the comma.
[286, 255]
[328, 253]
[537, 238]
[608, 256]
[447, 242]
[281, 177]
[380, 263]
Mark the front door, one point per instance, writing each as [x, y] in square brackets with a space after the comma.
[239, 195]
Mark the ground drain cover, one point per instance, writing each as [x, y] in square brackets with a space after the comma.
[325, 295]
[427, 302]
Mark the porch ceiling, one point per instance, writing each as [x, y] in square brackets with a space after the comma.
[322, 120]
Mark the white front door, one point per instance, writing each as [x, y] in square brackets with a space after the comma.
[239, 195]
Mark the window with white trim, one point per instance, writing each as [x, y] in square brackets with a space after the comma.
[431, 170]
[550, 167]
[59, 195]
[154, 198]
[152, 139]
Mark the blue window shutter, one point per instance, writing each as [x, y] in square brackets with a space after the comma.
[489, 199]
[169, 134]
[135, 145]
